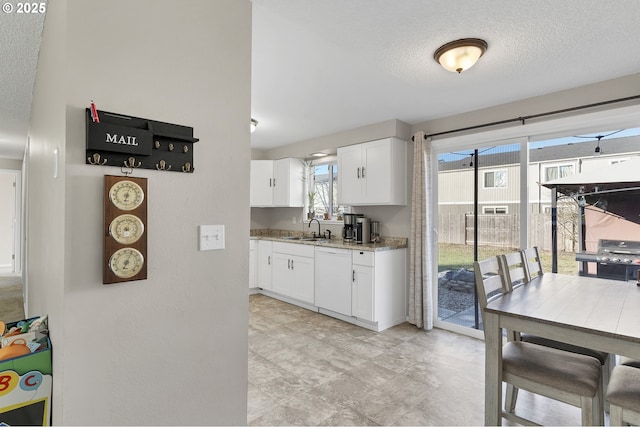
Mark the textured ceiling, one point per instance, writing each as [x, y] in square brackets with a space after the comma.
[324, 66]
[20, 36]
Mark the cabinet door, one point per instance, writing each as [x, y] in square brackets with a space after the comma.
[303, 278]
[350, 170]
[253, 271]
[261, 183]
[363, 296]
[377, 172]
[281, 274]
[264, 264]
[288, 187]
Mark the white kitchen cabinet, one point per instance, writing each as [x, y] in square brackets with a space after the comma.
[363, 295]
[293, 271]
[277, 183]
[264, 264]
[373, 173]
[379, 284]
[253, 273]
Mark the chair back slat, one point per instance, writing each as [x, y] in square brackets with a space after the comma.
[513, 270]
[532, 263]
[488, 281]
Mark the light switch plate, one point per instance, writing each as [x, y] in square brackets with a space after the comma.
[211, 237]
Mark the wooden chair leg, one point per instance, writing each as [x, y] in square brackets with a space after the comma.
[587, 408]
[615, 415]
[607, 369]
[599, 417]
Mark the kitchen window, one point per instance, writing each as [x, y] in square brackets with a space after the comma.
[325, 185]
[495, 179]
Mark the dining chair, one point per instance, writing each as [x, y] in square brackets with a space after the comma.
[623, 396]
[571, 378]
[530, 261]
[513, 270]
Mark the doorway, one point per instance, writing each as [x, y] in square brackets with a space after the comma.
[10, 192]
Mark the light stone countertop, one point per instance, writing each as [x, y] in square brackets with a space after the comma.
[385, 244]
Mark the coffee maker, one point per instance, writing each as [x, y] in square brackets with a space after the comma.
[349, 229]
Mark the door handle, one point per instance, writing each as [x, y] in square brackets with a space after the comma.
[292, 264]
[270, 182]
[269, 260]
[358, 173]
[353, 275]
[363, 171]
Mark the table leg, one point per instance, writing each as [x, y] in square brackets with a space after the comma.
[492, 370]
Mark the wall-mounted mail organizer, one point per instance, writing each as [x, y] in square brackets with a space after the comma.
[133, 142]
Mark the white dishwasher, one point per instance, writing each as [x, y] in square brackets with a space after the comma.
[333, 279]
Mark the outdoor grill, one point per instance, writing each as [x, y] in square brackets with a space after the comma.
[615, 259]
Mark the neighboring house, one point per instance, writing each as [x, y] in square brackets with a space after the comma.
[499, 188]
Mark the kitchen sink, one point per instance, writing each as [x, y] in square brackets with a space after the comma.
[307, 239]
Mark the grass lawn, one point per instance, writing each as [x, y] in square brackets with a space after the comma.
[455, 257]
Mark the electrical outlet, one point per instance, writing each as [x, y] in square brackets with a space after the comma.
[211, 237]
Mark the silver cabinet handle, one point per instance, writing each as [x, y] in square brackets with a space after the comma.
[274, 182]
[363, 171]
[269, 260]
[289, 264]
[292, 264]
[358, 173]
[353, 276]
[270, 182]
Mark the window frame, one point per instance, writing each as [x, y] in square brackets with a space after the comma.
[493, 171]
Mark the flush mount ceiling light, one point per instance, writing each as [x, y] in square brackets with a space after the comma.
[253, 125]
[318, 154]
[460, 55]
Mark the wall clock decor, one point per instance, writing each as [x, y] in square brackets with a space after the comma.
[125, 231]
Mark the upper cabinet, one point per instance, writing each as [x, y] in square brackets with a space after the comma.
[277, 183]
[373, 173]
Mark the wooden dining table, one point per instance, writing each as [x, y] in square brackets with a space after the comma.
[601, 314]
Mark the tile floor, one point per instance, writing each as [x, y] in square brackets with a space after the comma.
[309, 369]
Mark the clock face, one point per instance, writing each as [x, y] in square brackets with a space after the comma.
[126, 229]
[126, 262]
[126, 195]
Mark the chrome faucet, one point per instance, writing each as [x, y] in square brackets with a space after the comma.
[314, 233]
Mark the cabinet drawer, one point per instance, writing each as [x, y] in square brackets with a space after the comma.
[363, 258]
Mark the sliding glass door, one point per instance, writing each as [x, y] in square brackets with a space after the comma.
[479, 217]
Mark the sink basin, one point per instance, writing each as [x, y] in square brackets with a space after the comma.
[307, 239]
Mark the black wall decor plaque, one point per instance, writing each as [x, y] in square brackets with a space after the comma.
[134, 142]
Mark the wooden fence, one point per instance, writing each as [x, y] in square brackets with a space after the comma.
[503, 231]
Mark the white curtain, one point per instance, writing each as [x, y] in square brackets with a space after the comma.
[422, 238]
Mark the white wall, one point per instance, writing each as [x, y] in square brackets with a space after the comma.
[172, 349]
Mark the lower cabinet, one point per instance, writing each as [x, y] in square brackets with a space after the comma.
[293, 271]
[265, 261]
[366, 288]
[379, 284]
[253, 270]
[363, 295]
